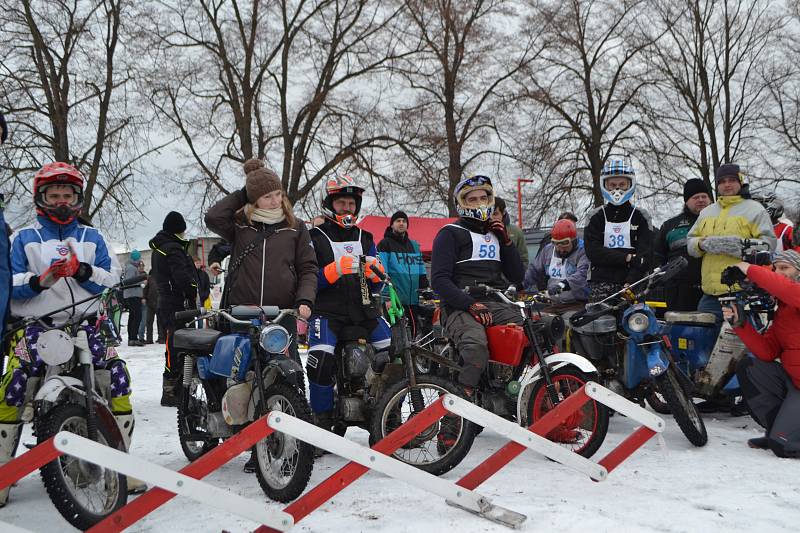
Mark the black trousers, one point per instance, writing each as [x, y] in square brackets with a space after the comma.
[134, 306]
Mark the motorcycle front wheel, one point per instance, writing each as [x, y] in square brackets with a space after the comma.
[438, 448]
[284, 463]
[83, 493]
[683, 408]
[193, 421]
[584, 431]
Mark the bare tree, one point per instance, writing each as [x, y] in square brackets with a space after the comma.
[589, 76]
[715, 65]
[290, 81]
[462, 58]
[64, 77]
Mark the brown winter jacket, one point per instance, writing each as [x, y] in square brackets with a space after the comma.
[280, 270]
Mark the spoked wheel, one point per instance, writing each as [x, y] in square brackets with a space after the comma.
[684, 411]
[438, 448]
[284, 463]
[584, 431]
[193, 421]
[82, 492]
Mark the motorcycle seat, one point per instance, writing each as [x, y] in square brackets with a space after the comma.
[689, 317]
[195, 340]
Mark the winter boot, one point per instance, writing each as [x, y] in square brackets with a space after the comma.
[9, 434]
[126, 424]
[759, 443]
[251, 464]
[323, 421]
[169, 386]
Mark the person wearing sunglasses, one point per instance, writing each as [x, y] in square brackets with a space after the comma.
[561, 268]
[471, 251]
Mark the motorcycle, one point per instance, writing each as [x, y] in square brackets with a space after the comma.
[231, 379]
[380, 391]
[708, 355]
[635, 355]
[70, 389]
[527, 376]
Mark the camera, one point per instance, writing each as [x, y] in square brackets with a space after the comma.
[756, 252]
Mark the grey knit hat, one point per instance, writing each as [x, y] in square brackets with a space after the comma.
[260, 180]
[787, 256]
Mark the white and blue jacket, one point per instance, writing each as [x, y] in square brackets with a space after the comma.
[34, 248]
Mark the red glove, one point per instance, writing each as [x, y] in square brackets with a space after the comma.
[63, 268]
[481, 313]
[344, 266]
[498, 228]
[372, 276]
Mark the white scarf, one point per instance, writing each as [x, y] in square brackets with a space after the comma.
[267, 216]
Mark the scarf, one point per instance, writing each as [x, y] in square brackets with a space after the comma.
[267, 216]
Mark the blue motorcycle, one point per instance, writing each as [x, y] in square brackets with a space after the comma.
[235, 371]
[622, 335]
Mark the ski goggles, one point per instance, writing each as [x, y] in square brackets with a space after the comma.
[561, 242]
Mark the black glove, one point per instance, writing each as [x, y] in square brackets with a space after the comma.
[83, 273]
[732, 275]
[498, 228]
[558, 288]
[481, 313]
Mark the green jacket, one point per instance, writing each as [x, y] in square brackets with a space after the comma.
[518, 238]
[729, 216]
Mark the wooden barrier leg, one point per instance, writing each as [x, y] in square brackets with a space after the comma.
[625, 449]
[156, 497]
[326, 490]
[510, 451]
[33, 459]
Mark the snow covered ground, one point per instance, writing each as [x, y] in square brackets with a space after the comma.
[724, 486]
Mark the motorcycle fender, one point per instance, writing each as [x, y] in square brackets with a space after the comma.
[657, 362]
[289, 370]
[554, 361]
[52, 388]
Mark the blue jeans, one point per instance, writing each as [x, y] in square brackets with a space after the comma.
[710, 304]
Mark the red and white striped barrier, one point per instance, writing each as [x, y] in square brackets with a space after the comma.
[362, 459]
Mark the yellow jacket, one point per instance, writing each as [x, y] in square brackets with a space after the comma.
[729, 216]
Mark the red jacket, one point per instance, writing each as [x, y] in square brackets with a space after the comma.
[782, 338]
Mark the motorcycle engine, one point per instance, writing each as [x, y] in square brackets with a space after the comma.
[500, 373]
[357, 358]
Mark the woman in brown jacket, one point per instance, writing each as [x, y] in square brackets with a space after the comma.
[272, 261]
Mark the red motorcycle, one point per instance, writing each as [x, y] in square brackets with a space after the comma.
[517, 386]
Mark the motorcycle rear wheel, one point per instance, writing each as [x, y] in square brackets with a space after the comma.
[84, 494]
[683, 408]
[582, 432]
[193, 420]
[284, 463]
[438, 448]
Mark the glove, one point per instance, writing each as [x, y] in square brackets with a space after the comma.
[63, 268]
[83, 273]
[481, 313]
[558, 288]
[344, 266]
[732, 275]
[372, 276]
[730, 245]
[499, 229]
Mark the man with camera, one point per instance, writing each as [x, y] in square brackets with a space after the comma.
[717, 235]
[771, 381]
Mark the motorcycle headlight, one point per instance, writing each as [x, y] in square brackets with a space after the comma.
[55, 347]
[274, 339]
[638, 322]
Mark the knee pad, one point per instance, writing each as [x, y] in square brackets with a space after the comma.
[320, 397]
[320, 367]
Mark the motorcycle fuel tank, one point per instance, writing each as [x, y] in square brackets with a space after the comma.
[231, 357]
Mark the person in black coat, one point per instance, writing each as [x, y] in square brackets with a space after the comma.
[176, 279]
[683, 291]
[618, 238]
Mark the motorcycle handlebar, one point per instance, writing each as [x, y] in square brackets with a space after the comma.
[133, 282]
[377, 272]
[190, 314]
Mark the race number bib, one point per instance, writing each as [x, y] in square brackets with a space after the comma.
[618, 235]
[556, 270]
